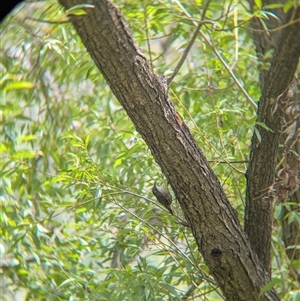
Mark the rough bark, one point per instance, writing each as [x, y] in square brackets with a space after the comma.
[264, 154]
[144, 95]
[290, 158]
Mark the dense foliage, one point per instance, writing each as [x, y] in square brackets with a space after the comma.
[78, 219]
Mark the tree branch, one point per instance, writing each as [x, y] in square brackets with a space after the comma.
[187, 50]
[264, 150]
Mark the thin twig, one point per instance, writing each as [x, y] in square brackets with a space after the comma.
[228, 162]
[187, 50]
[248, 97]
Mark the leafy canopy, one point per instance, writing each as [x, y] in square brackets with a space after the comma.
[78, 219]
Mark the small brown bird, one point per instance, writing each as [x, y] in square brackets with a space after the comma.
[163, 195]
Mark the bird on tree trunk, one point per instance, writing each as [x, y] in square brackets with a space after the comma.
[163, 196]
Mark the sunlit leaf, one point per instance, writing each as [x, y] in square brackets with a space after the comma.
[79, 9]
[18, 85]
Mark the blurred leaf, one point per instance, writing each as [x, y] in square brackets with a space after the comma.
[79, 9]
[18, 85]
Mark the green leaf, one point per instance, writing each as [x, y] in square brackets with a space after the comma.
[87, 139]
[287, 6]
[263, 125]
[270, 285]
[79, 9]
[66, 282]
[257, 133]
[17, 85]
[258, 3]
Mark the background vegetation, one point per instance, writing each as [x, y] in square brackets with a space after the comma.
[78, 219]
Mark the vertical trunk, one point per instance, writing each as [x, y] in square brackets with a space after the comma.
[265, 149]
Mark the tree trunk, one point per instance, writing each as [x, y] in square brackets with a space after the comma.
[261, 188]
[144, 95]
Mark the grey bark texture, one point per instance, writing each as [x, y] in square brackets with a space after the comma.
[144, 95]
[265, 154]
